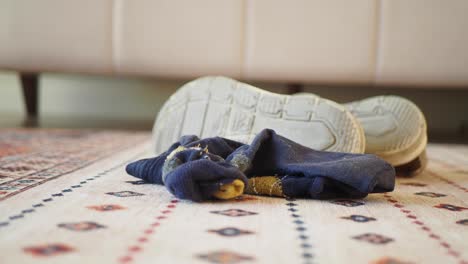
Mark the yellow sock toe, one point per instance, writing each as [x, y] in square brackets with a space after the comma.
[231, 190]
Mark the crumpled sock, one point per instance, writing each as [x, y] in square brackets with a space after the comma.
[308, 173]
[216, 167]
[194, 169]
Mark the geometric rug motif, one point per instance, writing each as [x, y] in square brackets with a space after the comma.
[30, 157]
[97, 214]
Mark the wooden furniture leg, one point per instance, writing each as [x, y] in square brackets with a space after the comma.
[30, 85]
[293, 88]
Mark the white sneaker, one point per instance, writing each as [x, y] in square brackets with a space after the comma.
[219, 106]
[395, 128]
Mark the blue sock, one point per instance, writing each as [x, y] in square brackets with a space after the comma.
[196, 169]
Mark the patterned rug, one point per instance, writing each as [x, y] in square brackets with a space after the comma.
[67, 199]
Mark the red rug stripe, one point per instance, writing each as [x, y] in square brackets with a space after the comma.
[138, 247]
[415, 220]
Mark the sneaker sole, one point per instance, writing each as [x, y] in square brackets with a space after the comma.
[219, 106]
[395, 127]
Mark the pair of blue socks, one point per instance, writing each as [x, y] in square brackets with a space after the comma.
[218, 168]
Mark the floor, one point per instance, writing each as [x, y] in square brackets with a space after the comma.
[65, 198]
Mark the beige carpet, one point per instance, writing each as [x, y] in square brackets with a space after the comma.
[88, 210]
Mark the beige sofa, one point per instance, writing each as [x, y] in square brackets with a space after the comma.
[370, 42]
